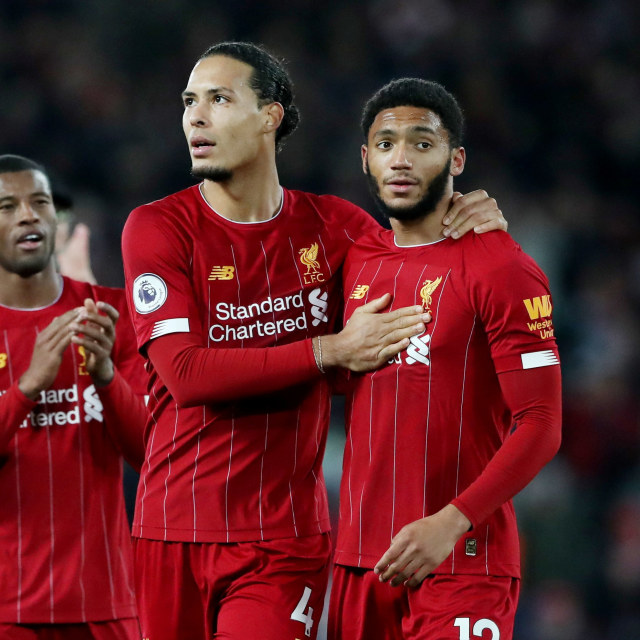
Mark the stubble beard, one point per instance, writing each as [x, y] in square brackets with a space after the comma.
[215, 174]
[29, 265]
[421, 209]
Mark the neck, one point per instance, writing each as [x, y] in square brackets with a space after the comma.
[252, 195]
[39, 290]
[423, 230]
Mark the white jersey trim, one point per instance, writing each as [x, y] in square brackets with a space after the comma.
[546, 358]
[172, 325]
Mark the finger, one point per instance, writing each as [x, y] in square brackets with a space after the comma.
[111, 312]
[391, 351]
[459, 202]
[90, 305]
[378, 304]
[418, 577]
[399, 334]
[405, 315]
[92, 332]
[387, 558]
[56, 329]
[395, 572]
[490, 225]
[91, 346]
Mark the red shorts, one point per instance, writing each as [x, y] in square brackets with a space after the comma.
[122, 629]
[269, 590]
[447, 607]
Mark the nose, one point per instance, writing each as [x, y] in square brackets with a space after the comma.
[26, 214]
[197, 115]
[400, 158]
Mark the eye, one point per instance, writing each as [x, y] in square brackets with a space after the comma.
[187, 102]
[424, 145]
[383, 145]
[220, 99]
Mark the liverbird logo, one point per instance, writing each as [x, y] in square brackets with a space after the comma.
[429, 286]
[308, 257]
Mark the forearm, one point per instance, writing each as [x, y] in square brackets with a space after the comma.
[125, 417]
[535, 399]
[14, 409]
[196, 375]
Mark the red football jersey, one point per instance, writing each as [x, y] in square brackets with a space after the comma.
[250, 469]
[66, 549]
[422, 429]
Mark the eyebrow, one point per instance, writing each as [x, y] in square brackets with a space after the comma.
[35, 194]
[416, 129]
[208, 92]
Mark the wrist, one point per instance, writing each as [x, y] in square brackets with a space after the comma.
[28, 389]
[104, 377]
[330, 352]
[457, 521]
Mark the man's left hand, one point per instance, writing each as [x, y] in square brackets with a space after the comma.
[95, 331]
[421, 546]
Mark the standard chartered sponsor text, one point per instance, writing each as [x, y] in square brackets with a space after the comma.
[220, 332]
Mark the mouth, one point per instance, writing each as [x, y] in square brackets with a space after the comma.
[30, 241]
[400, 185]
[201, 147]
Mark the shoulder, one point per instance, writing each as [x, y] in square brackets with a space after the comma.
[328, 206]
[161, 221]
[171, 206]
[496, 260]
[490, 251]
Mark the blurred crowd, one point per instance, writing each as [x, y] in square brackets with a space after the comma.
[91, 88]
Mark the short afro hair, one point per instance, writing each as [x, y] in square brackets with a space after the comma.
[415, 92]
[13, 164]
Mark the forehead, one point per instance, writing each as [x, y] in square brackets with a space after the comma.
[23, 183]
[407, 117]
[220, 71]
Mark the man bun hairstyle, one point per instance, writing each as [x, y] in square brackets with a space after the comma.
[416, 92]
[269, 80]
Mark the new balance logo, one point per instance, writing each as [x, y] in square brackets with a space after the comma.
[222, 273]
[359, 292]
[539, 307]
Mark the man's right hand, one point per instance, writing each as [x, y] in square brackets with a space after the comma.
[372, 337]
[47, 355]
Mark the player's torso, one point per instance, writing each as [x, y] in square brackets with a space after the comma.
[63, 519]
[419, 416]
[267, 284]
[256, 463]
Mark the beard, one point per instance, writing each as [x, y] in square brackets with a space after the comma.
[215, 174]
[28, 266]
[426, 205]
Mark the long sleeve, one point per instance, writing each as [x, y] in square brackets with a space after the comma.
[534, 397]
[196, 375]
[14, 408]
[125, 417]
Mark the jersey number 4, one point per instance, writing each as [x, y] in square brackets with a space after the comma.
[299, 612]
[478, 628]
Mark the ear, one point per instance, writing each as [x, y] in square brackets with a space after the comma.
[363, 150]
[458, 158]
[274, 113]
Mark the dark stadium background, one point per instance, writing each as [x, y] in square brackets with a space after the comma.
[551, 93]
